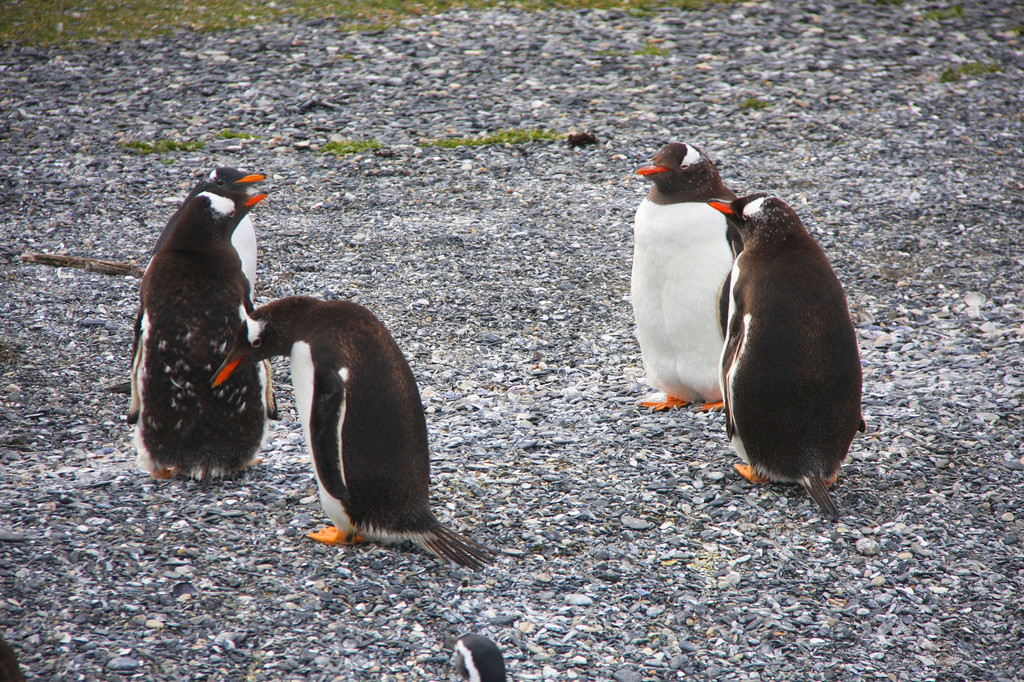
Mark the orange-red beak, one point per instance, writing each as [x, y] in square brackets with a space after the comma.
[651, 170]
[721, 207]
[255, 199]
[255, 177]
[226, 370]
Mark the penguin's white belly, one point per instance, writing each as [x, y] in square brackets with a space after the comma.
[681, 257]
[302, 382]
[244, 241]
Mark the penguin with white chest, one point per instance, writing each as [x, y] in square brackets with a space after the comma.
[362, 418]
[681, 259]
[790, 368]
[193, 296]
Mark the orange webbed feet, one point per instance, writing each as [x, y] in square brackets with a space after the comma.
[333, 536]
[670, 402]
[747, 472]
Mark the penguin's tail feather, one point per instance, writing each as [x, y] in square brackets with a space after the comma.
[815, 486]
[445, 543]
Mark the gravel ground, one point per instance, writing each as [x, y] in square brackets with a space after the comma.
[631, 549]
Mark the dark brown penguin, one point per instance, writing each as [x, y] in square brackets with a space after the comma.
[681, 263]
[10, 671]
[192, 298]
[790, 370]
[362, 418]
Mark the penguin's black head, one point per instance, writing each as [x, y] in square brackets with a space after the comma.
[478, 659]
[255, 340]
[758, 216]
[680, 168]
[222, 198]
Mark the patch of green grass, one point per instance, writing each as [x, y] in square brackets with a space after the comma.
[1018, 30]
[343, 147]
[235, 135]
[954, 12]
[163, 146]
[754, 103]
[652, 49]
[50, 22]
[510, 136]
[955, 73]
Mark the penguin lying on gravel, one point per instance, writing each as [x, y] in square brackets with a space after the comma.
[10, 671]
[681, 260]
[192, 298]
[478, 659]
[790, 369]
[362, 418]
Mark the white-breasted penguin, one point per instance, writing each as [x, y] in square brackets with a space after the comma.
[681, 259]
[193, 296]
[362, 418]
[790, 368]
[478, 659]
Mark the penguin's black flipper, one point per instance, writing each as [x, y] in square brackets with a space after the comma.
[816, 488]
[326, 423]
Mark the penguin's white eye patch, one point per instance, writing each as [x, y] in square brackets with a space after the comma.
[254, 328]
[220, 205]
[213, 175]
[692, 156]
[753, 208]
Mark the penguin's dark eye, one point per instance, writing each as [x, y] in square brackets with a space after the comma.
[220, 182]
[257, 342]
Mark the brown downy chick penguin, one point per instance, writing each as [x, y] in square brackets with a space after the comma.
[681, 261]
[362, 418]
[193, 296]
[790, 369]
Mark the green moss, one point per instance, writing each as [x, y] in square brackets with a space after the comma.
[955, 73]
[235, 135]
[47, 22]
[754, 103]
[652, 49]
[510, 136]
[954, 12]
[163, 146]
[343, 147]
[1018, 30]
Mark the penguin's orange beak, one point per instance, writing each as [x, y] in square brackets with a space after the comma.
[227, 369]
[255, 177]
[255, 199]
[651, 170]
[721, 207]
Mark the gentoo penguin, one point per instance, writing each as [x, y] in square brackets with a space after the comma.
[243, 239]
[362, 418]
[681, 259]
[478, 659]
[790, 368]
[10, 671]
[192, 298]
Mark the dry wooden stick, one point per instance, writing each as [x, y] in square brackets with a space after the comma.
[105, 267]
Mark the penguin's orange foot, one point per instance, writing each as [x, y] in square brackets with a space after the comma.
[747, 472]
[332, 536]
[830, 481]
[164, 473]
[255, 462]
[668, 403]
[712, 407]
